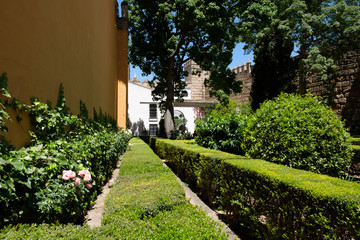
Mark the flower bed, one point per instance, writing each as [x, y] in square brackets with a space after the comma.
[35, 187]
[58, 176]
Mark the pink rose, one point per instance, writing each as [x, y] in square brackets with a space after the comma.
[83, 172]
[88, 185]
[72, 174]
[87, 177]
[77, 181]
[47, 184]
[66, 175]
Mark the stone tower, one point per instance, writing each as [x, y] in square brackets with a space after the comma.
[195, 80]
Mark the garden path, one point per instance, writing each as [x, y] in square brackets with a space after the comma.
[94, 216]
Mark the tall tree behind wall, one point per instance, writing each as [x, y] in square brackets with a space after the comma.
[274, 69]
[165, 34]
[321, 30]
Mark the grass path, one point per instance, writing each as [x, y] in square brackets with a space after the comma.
[146, 202]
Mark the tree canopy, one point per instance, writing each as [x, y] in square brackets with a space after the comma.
[320, 31]
[165, 34]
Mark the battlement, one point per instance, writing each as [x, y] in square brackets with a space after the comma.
[136, 81]
[245, 68]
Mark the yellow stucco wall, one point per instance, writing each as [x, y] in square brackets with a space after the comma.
[44, 43]
[122, 84]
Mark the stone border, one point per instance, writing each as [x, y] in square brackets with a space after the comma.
[94, 216]
[195, 200]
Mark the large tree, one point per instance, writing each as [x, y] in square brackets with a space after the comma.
[273, 70]
[320, 30]
[164, 34]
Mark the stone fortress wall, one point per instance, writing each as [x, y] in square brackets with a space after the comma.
[346, 87]
[196, 77]
[243, 74]
[345, 91]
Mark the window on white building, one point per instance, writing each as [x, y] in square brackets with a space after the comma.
[184, 94]
[153, 111]
[153, 129]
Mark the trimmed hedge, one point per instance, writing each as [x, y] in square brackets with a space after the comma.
[269, 201]
[146, 202]
[355, 163]
[355, 140]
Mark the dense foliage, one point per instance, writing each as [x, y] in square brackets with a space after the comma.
[224, 127]
[4, 95]
[299, 132]
[46, 181]
[273, 70]
[322, 31]
[263, 200]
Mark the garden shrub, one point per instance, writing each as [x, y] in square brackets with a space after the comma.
[271, 201]
[31, 178]
[299, 132]
[32, 183]
[224, 127]
[264, 200]
[4, 96]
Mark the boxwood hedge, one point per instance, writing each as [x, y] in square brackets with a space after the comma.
[267, 200]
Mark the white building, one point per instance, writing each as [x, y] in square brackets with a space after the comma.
[144, 114]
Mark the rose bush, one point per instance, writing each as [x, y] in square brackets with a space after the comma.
[38, 183]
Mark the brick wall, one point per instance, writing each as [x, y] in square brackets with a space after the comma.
[243, 74]
[195, 80]
[344, 90]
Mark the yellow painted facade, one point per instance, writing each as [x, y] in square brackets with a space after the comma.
[44, 43]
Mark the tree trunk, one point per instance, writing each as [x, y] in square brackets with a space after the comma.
[302, 73]
[169, 105]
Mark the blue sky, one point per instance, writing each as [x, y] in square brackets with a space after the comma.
[239, 57]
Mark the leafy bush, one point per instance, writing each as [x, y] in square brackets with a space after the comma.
[224, 127]
[32, 187]
[299, 132]
[180, 135]
[4, 94]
